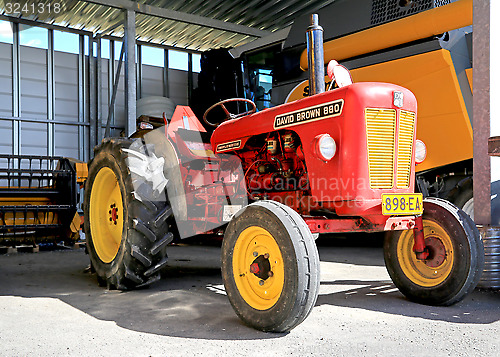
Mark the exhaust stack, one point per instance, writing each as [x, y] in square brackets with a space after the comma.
[315, 56]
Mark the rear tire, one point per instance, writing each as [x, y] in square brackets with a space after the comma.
[125, 218]
[465, 201]
[270, 266]
[456, 259]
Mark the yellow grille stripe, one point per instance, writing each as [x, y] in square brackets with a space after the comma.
[405, 148]
[380, 133]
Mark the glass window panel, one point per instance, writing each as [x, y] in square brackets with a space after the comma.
[118, 49]
[6, 34]
[178, 60]
[33, 36]
[152, 56]
[104, 48]
[66, 42]
[196, 63]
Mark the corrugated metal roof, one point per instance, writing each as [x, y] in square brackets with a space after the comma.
[263, 15]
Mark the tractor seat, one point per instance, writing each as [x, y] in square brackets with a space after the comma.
[194, 144]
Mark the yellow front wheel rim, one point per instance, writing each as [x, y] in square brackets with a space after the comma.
[106, 214]
[437, 267]
[258, 268]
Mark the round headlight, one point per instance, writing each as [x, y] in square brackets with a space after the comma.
[325, 147]
[420, 151]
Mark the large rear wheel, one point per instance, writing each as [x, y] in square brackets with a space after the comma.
[270, 266]
[455, 256]
[126, 214]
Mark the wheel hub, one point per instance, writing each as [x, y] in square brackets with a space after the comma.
[436, 250]
[261, 267]
[113, 214]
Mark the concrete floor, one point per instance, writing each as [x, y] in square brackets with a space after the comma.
[50, 306]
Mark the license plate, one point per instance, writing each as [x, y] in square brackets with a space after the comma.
[402, 204]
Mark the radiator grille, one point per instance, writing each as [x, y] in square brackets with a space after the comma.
[380, 132]
[405, 148]
[381, 139]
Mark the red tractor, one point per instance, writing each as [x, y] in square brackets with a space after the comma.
[338, 161]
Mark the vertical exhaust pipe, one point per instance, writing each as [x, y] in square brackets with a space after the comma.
[315, 56]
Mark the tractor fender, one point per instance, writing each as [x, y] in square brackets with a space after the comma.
[163, 147]
[450, 207]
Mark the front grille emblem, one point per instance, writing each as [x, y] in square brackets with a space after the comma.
[398, 99]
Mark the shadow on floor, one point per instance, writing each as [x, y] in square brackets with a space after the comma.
[190, 300]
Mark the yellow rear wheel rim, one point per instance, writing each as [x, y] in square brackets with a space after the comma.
[106, 214]
[433, 271]
[259, 293]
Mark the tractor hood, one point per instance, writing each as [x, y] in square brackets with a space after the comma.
[306, 115]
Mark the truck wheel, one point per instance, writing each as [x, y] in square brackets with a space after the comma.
[465, 201]
[270, 266]
[125, 217]
[455, 262]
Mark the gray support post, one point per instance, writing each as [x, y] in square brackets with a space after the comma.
[495, 105]
[130, 85]
[92, 98]
[166, 89]
[111, 79]
[99, 91]
[190, 77]
[115, 90]
[16, 91]
[139, 72]
[50, 95]
[81, 98]
[481, 111]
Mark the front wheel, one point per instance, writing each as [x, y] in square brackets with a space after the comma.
[455, 261]
[270, 266]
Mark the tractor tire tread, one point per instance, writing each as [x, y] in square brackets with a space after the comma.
[162, 263]
[163, 216]
[150, 281]
[130, 275]
[141, 227]
[167, 238]
[135, 251]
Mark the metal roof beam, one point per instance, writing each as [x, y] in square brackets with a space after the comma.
[44, 25]
[181, 17]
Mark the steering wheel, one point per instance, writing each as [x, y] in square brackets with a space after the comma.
[228, 114]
